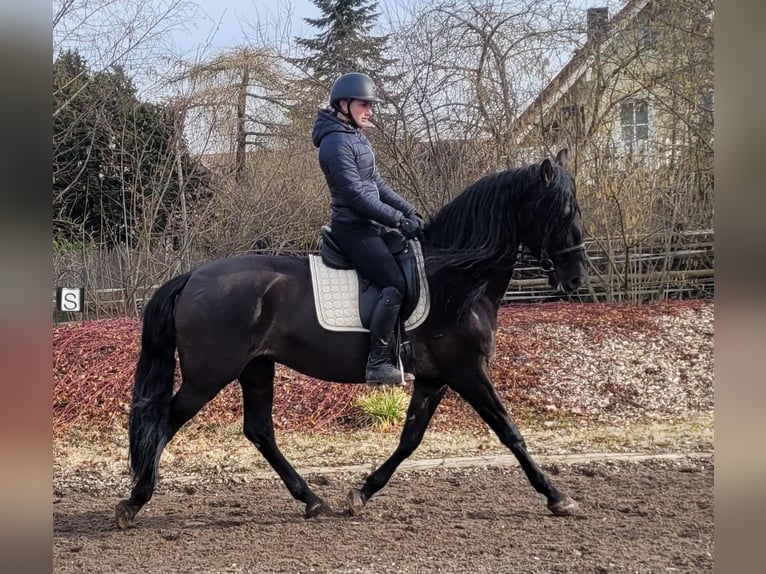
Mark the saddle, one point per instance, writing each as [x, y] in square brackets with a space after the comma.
[333, 257]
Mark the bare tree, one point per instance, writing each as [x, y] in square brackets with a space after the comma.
[133, 34]
[641, 131]
[466, 68]
[465, 71]
[241, 96]
[240, 109]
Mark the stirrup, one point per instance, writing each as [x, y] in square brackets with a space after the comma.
[405, 376]
[395, 379]
[393, 382]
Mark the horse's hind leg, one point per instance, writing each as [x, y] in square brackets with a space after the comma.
[186, 403]
[474, 386]
[426, 396]
[258, 394]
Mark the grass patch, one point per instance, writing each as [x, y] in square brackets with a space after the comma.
[383, 409]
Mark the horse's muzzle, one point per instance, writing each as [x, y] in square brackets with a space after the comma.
[568, 284]
[574, 283]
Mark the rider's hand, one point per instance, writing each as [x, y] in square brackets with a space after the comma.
[410, 226]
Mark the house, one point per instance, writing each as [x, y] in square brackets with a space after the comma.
[639, 89]
[634, 107]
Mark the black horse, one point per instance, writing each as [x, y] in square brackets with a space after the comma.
[234, 318]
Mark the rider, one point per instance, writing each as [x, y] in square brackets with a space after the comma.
[362, 206]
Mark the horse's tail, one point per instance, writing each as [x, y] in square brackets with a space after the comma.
[148, 430]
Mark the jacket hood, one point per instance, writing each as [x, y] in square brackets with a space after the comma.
[325, 123]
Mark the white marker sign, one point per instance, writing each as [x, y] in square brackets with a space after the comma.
[70, 299]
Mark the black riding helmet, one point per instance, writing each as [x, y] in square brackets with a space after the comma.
[353, 86]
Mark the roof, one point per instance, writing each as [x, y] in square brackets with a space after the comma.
[574, 70]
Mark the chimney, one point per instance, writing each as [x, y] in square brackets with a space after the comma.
[597, 24]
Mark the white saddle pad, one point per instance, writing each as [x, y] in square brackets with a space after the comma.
[336, 295]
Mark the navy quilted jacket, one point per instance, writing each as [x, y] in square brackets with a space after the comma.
[357, 191]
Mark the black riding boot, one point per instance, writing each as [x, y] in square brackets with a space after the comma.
[380, 370]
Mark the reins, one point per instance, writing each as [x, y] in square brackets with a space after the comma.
[546, 263]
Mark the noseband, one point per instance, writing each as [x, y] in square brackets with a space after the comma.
[546, 263]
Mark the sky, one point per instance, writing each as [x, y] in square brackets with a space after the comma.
[232, 22]
[206, 27]
[197, 32]
[147, 37]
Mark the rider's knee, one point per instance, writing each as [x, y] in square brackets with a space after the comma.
[391, 295]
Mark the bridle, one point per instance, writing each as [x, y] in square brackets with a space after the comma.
[546, 263]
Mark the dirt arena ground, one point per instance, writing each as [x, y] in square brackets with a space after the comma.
[639, 515]
[626, 429]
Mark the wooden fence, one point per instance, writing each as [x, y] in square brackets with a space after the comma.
[635, 270]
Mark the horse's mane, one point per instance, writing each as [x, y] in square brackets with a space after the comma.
[468, 239]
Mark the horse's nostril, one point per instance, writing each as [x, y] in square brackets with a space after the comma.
[575, 283]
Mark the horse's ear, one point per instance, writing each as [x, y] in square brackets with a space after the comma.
[561, 157]
[546, 171]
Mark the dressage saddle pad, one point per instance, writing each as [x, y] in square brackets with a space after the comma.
[336, 296]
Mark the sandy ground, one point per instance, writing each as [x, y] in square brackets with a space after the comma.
[459, 504]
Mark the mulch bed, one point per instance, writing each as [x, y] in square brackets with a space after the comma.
[93, 365]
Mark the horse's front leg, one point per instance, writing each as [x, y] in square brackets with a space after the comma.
[475, 387]
[426, 396]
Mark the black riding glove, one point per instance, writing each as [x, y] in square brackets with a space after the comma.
[409, 226]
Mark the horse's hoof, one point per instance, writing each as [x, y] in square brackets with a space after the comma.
[318, 508]
[124, 514]
[354, 502]
[564, 507]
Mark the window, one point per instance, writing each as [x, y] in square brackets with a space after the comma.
[634, 119]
